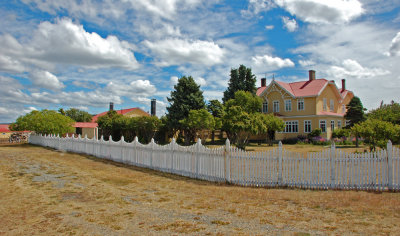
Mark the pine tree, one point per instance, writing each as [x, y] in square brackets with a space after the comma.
[242, 79]
[355, 113]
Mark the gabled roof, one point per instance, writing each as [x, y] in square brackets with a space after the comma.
[4, 128]
[304, 88]
[122, 112]
[85, 125]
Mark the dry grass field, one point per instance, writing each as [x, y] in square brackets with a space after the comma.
[47, 192]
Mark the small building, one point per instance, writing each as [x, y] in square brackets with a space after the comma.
[5, 132]
[306, 105]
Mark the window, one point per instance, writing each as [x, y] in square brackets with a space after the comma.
[265, 107]
[343, 108]
[276, 106]
[332, 125]
[332, 105]
[347, 122]
[288, 105]
[291, 126]
[300, 104]
[324, 106]
[307, 126]
[322, 125]
[339, 124]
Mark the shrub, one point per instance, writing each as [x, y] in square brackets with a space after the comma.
[290, 141]
[315, 133]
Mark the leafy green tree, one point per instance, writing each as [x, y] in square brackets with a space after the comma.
[376, 133]
[242, 119]
[274, 124]
[200, 122]
[107, 125]
[77, 115]
[216, 109]
[355, 113]
[387, 112]
[340, 133]
[44, 122]
[241, 79]
[185, 97]
[147, 127]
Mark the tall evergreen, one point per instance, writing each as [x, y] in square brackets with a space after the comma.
[355, 111]
[240, 79]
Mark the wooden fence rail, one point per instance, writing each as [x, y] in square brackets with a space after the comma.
[328, 169]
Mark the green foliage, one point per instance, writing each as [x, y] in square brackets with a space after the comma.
[387, 112]
[185, 97]
[216, 108]
[376, 133]
[340, 133]
[77, 115]
[242, 119]
[199, 122]
[44, 122]
[146, 127]
[355, 111]
[241, 79]
[315, 133]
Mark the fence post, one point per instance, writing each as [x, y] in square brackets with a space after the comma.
[227, 161]
[197, 156]
[332, 162]
[172, 155]
[152, 152]
[389, 151]
[122, 146]
[280, 158]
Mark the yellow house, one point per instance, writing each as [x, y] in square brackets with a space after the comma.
[306, 105]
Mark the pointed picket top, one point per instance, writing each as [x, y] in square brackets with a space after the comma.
[136, 139]
[333, 145]
[58, 135]
[199, 140]
[280, 144]
[173, 140]
[152, 140]
[122, 139]
[79, 136]
[102, 138]
[86, 136]
[110, 139]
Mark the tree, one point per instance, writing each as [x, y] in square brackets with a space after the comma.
[199, 122]
[241, 79]
[216, 109]
[242, 118]
[147, 127]
[108, 125]
[274, 124]
[77, 115]
[44, 122]
[376, 133]
[185, 97]
[387, 112]
[355, 113]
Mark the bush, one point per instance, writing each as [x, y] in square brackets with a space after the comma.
[315, 133]
[290, 141]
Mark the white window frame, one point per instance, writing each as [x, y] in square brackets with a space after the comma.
[332, 125]
[305, 125]
[290, 126]
[343, 108]
[347, 123]
[339, 124]
[275, 108]
[265, 107]
[320, 123]
[300, 101]
[288, 104]
[324, 105]
[332, 105]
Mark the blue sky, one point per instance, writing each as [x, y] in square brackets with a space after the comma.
[87, 53]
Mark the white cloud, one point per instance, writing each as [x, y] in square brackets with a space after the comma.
[179, 51]
[269, 27]
[290, 24]
[45, 79]
[173, 80]
[306, 63]
[135, 88]
[270, 62]
[9, 64]
[200, 81]
[395, 46]
[316, 11]
[353, 69]
[257, 6]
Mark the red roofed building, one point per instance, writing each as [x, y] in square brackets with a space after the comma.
[306, 105]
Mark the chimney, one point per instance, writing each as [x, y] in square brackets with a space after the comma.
[343, 85]
[263, 82]
[153, 107]
[311, 75]
[111, 106]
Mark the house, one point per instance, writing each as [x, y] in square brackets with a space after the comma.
[5, 132]
[306, 105]
[6, 135]
[90, 129]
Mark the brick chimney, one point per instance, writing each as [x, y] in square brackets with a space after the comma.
[111, 106]
[153, 107]
[311, 75]
[343, 85]
[263, 82]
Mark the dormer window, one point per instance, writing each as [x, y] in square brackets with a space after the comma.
[288, 105]
[300, 104]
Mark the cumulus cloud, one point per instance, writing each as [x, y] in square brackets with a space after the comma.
[135, 88]
[180, 51]
[316, 11]
[352, 68]
[306, 63]
[10, 64]
[394, 49]
[173, 80]
[269, 27]
[290, 24]
[200, 81]
[257, 6]
[45, 79]
[270, 62]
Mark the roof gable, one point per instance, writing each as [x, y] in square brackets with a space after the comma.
[122, 112]
[4, 128]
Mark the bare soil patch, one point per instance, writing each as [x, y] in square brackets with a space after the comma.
[47, 192]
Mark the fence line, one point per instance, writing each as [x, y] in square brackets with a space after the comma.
[328, 169]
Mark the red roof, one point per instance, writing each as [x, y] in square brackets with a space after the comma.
[85, 125]
[303, 88]
[124, 111]
[4, 128]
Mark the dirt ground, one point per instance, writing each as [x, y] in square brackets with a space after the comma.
[48, 192]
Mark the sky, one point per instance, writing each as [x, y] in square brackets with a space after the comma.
[86, 53]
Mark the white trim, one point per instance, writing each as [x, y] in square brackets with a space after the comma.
[304, 124]
[304, 105]
[319, 125]
[270, 85]
[273, 106]
[333, 125]
[306, 116]
[291, 121]
[290, 100]
[341, 126]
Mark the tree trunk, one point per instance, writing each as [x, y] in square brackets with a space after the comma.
[213, 137]
[356, 141]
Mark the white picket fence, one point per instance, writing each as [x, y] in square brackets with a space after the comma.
[330, 169]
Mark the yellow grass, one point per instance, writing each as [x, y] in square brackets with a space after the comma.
[47, 192]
